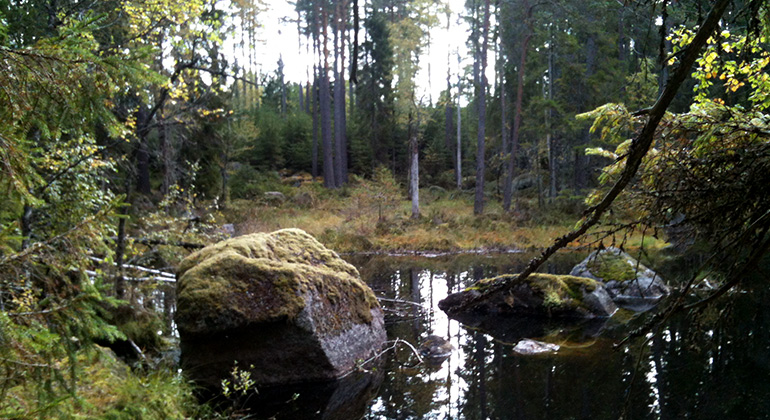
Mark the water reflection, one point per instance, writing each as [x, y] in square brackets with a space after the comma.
[715, 365]
[696, 369]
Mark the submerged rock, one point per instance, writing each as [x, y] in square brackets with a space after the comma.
[435, 347]
[627, 281]
[541, 295]
[530, 347]
[281, 305]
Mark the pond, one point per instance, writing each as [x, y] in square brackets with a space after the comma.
[716, 365]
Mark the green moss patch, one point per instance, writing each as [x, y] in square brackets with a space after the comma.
[557, 291]
[611, 266]
[265, 277]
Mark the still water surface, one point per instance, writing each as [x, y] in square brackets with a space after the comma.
[694, 368]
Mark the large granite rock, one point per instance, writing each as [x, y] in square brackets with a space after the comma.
[627, 281]
[539, 295]
[281, 305]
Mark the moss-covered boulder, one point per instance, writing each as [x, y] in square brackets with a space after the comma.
[280, 305]
[539, 295]
[628, 282]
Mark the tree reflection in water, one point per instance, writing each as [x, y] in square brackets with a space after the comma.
[714, 365]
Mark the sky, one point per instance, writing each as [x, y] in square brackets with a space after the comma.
[279, 39]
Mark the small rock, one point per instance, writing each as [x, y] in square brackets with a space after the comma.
[274, 197]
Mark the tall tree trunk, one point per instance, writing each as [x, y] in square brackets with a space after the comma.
[337, 102]
[26, 226]
[301, 97]
[665, 44]
[478, 202]
[508, 188]
[343, 106]
[622, 41]
[142, 153]
[459, 148]
[414, 169]
[340, 169]
[325, 103]
[448, 129]
[504, 146]
[308, 96]
[314, 104]
[283, 86]
[169, 158]
[538, 177]
[225, 154]
[548, 117]
[581, 159]
[120, 246]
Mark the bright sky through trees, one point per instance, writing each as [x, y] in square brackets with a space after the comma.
[278, 38]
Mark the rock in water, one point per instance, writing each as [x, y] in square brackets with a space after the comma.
[540, 295]
[626, 280]
[530, 347]
[435, 347]
[280, 304]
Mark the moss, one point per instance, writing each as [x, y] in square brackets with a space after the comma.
[109, 389]
[611, 266]
[556, 290]
[264, 277]
[105, 388]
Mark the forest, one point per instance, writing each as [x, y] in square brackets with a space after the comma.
[134, 132]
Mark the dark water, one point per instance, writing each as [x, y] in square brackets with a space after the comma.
[712, 366]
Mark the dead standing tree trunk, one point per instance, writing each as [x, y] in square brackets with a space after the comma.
[414, 168]
[459, 148]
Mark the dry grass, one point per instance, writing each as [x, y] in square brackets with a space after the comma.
[350, 220]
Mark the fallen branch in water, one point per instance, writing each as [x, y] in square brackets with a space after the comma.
[382, 299]
[393, 346]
